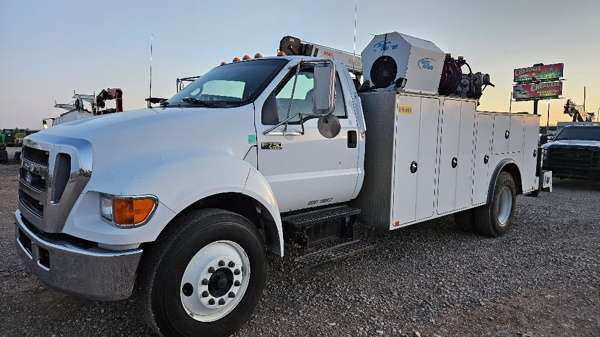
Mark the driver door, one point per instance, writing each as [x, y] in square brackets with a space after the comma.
[306, 170]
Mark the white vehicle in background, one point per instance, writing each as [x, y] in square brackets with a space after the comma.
[273, 150]
[76, 110]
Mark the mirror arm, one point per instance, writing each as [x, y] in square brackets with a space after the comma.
[292, 95]
[285, 121]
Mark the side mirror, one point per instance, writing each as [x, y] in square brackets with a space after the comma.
[324, 88]
[329, 126]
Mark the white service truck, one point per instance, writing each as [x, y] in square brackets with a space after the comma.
[272, 150]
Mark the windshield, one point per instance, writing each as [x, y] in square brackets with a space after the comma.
[579, 133]
[229, 85]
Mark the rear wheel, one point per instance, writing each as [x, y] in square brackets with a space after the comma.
[205, 276]
[495, 218]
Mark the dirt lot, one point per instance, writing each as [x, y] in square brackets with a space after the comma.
[541, 279]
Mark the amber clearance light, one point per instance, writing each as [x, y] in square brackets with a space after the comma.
[127, 212]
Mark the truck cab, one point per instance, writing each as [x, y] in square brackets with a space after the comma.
[98, 192]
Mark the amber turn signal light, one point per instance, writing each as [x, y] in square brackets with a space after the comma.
[130, 212]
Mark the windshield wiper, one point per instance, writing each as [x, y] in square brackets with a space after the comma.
[193, 100]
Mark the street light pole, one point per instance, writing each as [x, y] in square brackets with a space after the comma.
[548, 121]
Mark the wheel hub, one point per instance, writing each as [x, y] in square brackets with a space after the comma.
[220, 282]
[504, 206]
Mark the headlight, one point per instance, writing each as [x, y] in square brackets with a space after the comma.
[544, 156]
[106, 207]
[127, 211]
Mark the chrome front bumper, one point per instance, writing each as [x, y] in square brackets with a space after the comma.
[93, 273]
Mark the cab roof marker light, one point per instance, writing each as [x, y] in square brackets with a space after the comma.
[223, 63]
[246, 57]
[281, 53]
[257, 55]
[236, 59]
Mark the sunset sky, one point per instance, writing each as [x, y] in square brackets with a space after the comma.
[48, 49]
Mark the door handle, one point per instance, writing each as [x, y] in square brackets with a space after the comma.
[352, 139]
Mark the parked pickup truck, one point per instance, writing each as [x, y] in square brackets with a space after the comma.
[274, 150]
[574, 152]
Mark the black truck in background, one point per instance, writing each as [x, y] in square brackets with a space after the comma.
[574, 152]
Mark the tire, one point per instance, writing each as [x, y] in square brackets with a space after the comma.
[494, 219]
[465, 220]
[204, 276]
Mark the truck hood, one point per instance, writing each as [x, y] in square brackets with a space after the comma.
[573, 142]
[160, 131]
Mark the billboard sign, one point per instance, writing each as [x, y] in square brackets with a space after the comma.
[537, 73]
[543, 90]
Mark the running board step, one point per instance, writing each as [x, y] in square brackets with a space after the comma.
[334, 253]
[321, 215]
[314, 226]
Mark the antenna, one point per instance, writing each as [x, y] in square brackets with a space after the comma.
[151, 38]
[584, 94]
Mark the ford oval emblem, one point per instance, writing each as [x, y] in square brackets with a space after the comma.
[28, 178]
[425, 63]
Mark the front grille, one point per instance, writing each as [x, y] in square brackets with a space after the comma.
[573, 157]
[37, 156]
[54, 172]
[35, 180]
[34, 206]
[573, 162]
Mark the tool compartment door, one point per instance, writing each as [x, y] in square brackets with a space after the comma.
[530, 153]
[464, 168]
[428, 139]
[449, 136]
[515, 139]
[415, 159]
[501, 133]
[456, 155]
[483, 139]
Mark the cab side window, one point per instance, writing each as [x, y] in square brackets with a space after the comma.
[301, 102]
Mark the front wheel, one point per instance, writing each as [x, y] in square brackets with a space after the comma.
[495, 218]
[205, 275]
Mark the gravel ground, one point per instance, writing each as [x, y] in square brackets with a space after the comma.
[541, 279]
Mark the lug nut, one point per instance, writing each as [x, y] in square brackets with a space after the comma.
[231, 294]
[221, 263]
[211, 270]
[211, 301]
[205, 281]
[236, 283]
[205, 294]
[237, 272]
[231, 264]
[222, 301]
